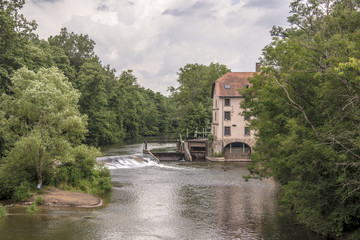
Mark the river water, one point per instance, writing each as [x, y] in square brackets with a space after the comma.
[170, 200]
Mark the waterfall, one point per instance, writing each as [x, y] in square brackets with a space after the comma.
[128, 161]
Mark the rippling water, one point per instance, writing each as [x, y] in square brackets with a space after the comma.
[175, 200]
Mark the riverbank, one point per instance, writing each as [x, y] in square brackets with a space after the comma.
[60, 198]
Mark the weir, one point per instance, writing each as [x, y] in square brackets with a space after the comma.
[129, 161]
[188, 150]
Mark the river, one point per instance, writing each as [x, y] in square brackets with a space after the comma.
[170, 200]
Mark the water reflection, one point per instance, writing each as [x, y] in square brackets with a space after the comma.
[226, 206]
[168, 201]
[54, 224]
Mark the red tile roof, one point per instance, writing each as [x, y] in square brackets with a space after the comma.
[234, 82]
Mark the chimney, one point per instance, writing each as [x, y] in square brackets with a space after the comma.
[258, 65]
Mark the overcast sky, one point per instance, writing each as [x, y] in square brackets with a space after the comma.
[155, 38]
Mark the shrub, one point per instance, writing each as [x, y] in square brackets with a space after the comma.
[32, 208]
[39, 200]
[102, 179]
[356, 235]
[6, 189]
[210, 138]
[21, 192]
[3, 211]
[12, 176]
[83, 173]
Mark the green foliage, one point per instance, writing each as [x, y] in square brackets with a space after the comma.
[91, 82]
[116, 106]
[21, 192]
[306, 114]
[38, 200]
[83, 173]
[78, 48]
[14, 37]
[8, 184]
[210, 138]
[44, 108]
[356, 235]
[220, 154]
[192, 97]
[32, 209]
[3, 211]
[57, 95]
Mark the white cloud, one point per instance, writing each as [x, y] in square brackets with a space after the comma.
[156, 38]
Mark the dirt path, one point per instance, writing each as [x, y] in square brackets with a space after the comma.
[58, 197]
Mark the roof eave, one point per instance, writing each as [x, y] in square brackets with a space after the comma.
[231, 96]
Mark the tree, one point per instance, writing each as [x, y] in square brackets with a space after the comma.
[306, 109]
[44, 114]
[193, 94]
[131, 103]
[92, 83]
[15, 33]
[78, 48]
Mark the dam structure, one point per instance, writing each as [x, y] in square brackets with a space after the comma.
[188, 150]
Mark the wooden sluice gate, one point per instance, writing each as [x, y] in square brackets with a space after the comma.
[188, 150]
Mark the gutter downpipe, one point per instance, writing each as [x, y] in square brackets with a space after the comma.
[222, 127]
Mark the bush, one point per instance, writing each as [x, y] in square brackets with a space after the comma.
[3, 211]
[32, 208]
[21, 192]
[6, 190]
[68, 173]
[356, 235]
[83, 173]
[13, 176]
[39, 200]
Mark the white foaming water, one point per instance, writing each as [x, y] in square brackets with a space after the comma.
[130, 161]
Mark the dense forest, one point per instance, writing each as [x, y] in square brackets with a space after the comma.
[306, 111]
[57, 99]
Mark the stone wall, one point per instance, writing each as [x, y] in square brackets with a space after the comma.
[218, 145]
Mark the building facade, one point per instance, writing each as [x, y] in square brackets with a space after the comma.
[232, 136]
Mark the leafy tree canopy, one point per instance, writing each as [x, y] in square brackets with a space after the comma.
[45, 116]
[15, 33]
[78, 47]
[192, 95]
[306, 108]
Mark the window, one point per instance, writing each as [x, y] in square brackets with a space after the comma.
[247, 131]
[214, 116]
[227, 86]
[226, 115]
[227, 131]
[227, 102]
